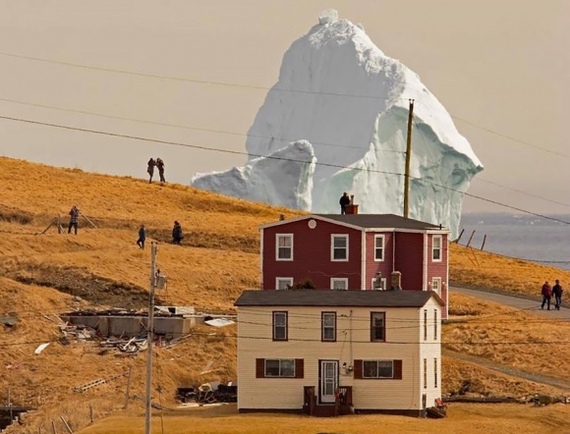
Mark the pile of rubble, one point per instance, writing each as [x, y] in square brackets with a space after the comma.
[208, 393]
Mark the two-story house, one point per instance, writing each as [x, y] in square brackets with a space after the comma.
[355, 252]
[299, 349]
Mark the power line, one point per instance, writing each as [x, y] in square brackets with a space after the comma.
[272, 157]
[264, 88]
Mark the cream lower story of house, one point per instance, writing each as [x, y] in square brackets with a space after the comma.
[316, 351]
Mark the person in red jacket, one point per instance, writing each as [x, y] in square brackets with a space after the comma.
[546, 295]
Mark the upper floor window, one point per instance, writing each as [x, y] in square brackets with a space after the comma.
[284, 247]
[425, 374]
[436, 285]
[378, 247]
[436, 248]
[283, 282]
[340, 283]
[435, 324]
[425, 324]
[280, 326]
[328, 326]
[435, 372]
[339, 247]
[378, 326]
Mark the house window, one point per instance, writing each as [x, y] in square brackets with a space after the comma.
[328, 326]
[435, 324]
[378, 284]
[378, 326]
[339, 247]
[279, 368]
[425, 324]
[378, 369]
[283, 282]
[378, 247]
[436, 285]
[436, 248]
[340, 283]
[284, 247]
[279, 326]
[435, 372]
[425, 373]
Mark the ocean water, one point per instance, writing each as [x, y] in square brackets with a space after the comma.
[521, 236]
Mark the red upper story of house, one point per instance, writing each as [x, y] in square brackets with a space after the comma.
[354, 251]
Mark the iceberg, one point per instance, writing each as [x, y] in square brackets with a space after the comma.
[336, 121]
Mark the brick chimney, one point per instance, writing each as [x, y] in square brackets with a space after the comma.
[396, 280]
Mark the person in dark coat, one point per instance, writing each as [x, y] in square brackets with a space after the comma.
[150, 169]
[344, 201]
[160, 166]
[557, 291]
[546, 295]
[177, 235]
[73, 219]
[142, 237]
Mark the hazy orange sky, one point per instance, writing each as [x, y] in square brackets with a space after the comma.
[499, 67]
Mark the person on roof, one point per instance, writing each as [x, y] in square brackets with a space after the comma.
[160, 166]
[344, 201]
[150, 169]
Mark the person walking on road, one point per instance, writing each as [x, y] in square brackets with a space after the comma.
[546, 295]
[142, 237]
[557, 291]
[73, 219]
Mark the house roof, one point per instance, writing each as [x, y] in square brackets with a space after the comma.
[327, 297]
[380, 221]
[366, 221]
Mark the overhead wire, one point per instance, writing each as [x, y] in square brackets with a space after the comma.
[273, 157]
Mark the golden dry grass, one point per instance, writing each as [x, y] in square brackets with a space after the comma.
[472, 267]
[218, 261]
[464, 419]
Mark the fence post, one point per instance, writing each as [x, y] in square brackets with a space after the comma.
[91, 413]
[53, 427]
[69, 430]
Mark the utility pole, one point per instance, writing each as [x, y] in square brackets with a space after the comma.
[149, 338]
[408, 160]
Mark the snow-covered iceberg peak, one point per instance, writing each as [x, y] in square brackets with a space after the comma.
[341, 93]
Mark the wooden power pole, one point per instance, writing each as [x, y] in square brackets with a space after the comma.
[149, 339]
[408, 160]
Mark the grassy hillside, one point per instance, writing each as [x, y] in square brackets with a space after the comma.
[43, 274]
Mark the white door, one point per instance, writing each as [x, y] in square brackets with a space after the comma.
[329, 380]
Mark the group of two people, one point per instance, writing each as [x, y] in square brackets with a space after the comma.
[548, 292]
[159, 164]
[177, 235]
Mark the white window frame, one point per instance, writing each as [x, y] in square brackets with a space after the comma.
[382, 279]
[283, 279]
[436, 282]
[339, 279]
[376, 238]
[277, 237]
[333, 236]
[325, 327]
[433, 248]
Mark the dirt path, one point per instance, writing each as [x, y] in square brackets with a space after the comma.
[527, 304]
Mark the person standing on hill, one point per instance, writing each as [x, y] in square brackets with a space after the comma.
[150, 169]
[177, 234]
[557, 291]
[344, 201]
[160, 165]
[142, 237]
[73, 219]
[546, 295]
